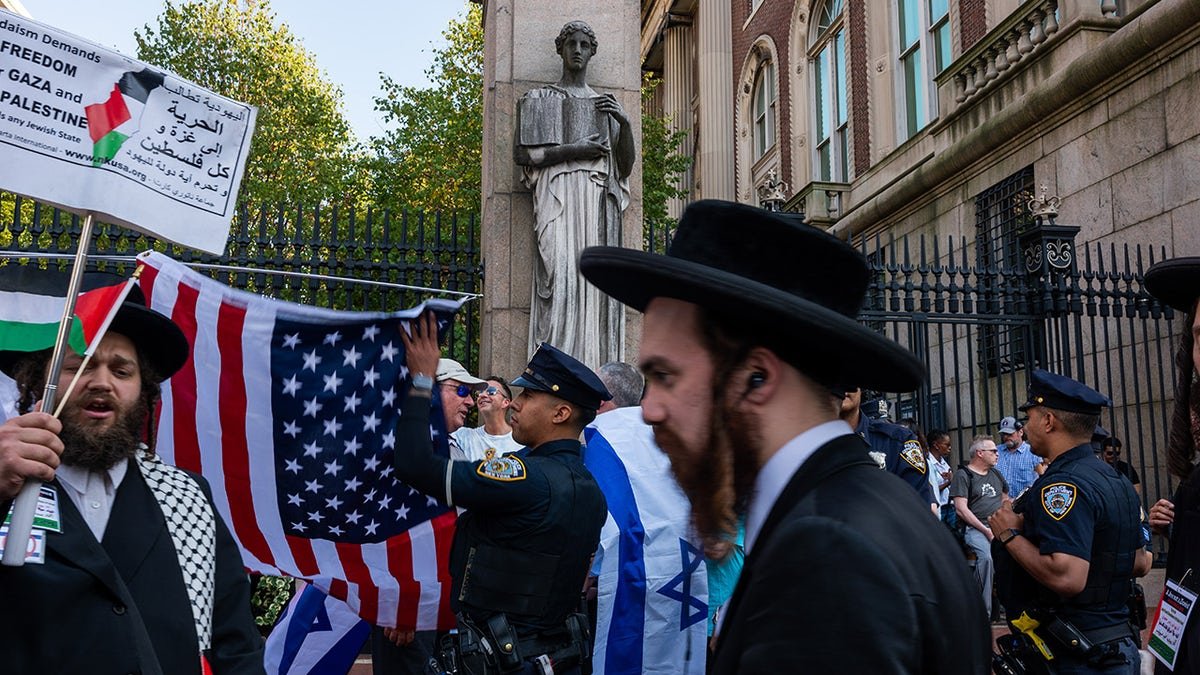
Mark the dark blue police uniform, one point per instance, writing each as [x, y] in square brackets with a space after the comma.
[1081, 507]
[897, 450]
[522, 549]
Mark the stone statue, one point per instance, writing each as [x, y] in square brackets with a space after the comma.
[576, 149]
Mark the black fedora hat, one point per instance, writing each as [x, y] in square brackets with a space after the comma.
[800, 287]
[1175, 282]
[156, 337]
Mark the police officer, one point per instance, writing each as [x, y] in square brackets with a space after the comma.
[1068, 550]
[522, 549]
[893, 447]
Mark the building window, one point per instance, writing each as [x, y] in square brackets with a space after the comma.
[832, 149]
[765, 101]
[1001, 215]
[924, 42]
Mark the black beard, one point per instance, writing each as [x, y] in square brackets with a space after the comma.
[100, 451]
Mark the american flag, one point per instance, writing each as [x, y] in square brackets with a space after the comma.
[290, 412]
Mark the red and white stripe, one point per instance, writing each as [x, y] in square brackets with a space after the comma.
[216, 420]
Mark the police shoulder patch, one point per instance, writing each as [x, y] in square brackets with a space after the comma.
[1058, 498]
[914, 455]
[504, 469]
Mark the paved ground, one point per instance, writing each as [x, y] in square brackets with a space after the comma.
[1152, 584]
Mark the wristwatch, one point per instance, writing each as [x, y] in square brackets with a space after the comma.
[1008, 535]
[422, 382]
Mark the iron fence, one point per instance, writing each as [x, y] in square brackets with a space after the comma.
[326, 257]
[1089, 318]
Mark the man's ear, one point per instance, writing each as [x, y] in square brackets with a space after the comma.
[563, 413]
[758, 375]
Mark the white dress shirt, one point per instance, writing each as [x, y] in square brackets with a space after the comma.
[92, 492]
[778, 472]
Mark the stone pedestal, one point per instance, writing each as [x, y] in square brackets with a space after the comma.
[518, 56]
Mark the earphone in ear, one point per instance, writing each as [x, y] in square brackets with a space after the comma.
[757, 380]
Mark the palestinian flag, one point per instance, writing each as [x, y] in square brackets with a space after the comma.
[113, 121]
[31, 306]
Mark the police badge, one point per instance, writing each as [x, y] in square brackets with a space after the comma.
[1058, 498]
[914, 455]
[505, 469]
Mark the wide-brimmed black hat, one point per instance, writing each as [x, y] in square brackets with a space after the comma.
[798, 287]
[156, 337]
[1175, 282]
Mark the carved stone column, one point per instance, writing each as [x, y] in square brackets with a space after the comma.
[679, 70]
[715, 158]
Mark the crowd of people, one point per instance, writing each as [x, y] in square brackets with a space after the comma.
[813, 514]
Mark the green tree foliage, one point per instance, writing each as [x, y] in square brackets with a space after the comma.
[303, 147]
[662, 167]
[430, 157]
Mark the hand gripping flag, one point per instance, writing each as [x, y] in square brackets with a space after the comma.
[289, 411]
[653, 584]
[317, 634]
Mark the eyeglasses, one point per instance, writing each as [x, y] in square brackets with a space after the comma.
[490, 391]
[995, 450]
[461, 390]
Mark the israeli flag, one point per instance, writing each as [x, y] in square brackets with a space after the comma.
[653, 584]
[316, 634]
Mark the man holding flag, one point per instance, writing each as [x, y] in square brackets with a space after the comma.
[522, 548]
[130, 564]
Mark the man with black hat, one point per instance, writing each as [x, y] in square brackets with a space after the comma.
[523, 546]
[1075, 538]
[139, 572]
[1176, 283]
[743, 339]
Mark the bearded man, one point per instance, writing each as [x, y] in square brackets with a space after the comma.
[749, 323]
[139, 572]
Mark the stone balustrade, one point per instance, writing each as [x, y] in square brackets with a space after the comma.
[1020, 35]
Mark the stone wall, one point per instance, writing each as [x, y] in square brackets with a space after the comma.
[519, 55]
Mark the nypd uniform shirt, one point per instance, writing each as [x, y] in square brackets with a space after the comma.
[1070, 509]
[896, 449]
[537, 501]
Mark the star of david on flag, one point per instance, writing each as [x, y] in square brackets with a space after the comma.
[289, 411]
[652, 584]
[691, 609]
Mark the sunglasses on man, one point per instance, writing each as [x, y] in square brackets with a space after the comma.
[490, 391]
[462, 390]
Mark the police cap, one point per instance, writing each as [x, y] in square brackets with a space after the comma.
[553, 371]
[1059, 392]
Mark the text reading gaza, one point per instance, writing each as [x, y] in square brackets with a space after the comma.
[20, 29]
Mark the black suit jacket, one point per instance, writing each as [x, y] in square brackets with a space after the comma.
[852, 574]
[120, 606]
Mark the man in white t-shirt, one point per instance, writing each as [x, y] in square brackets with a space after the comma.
[494, 438]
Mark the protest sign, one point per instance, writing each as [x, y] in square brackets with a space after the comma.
[90, 130]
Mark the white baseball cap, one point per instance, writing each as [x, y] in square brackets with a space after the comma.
[449, 369]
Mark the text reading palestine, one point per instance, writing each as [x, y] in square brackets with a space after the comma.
[39, 108]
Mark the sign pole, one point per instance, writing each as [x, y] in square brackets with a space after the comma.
[25, 503]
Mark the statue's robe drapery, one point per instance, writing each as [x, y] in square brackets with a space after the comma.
[577, 203]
